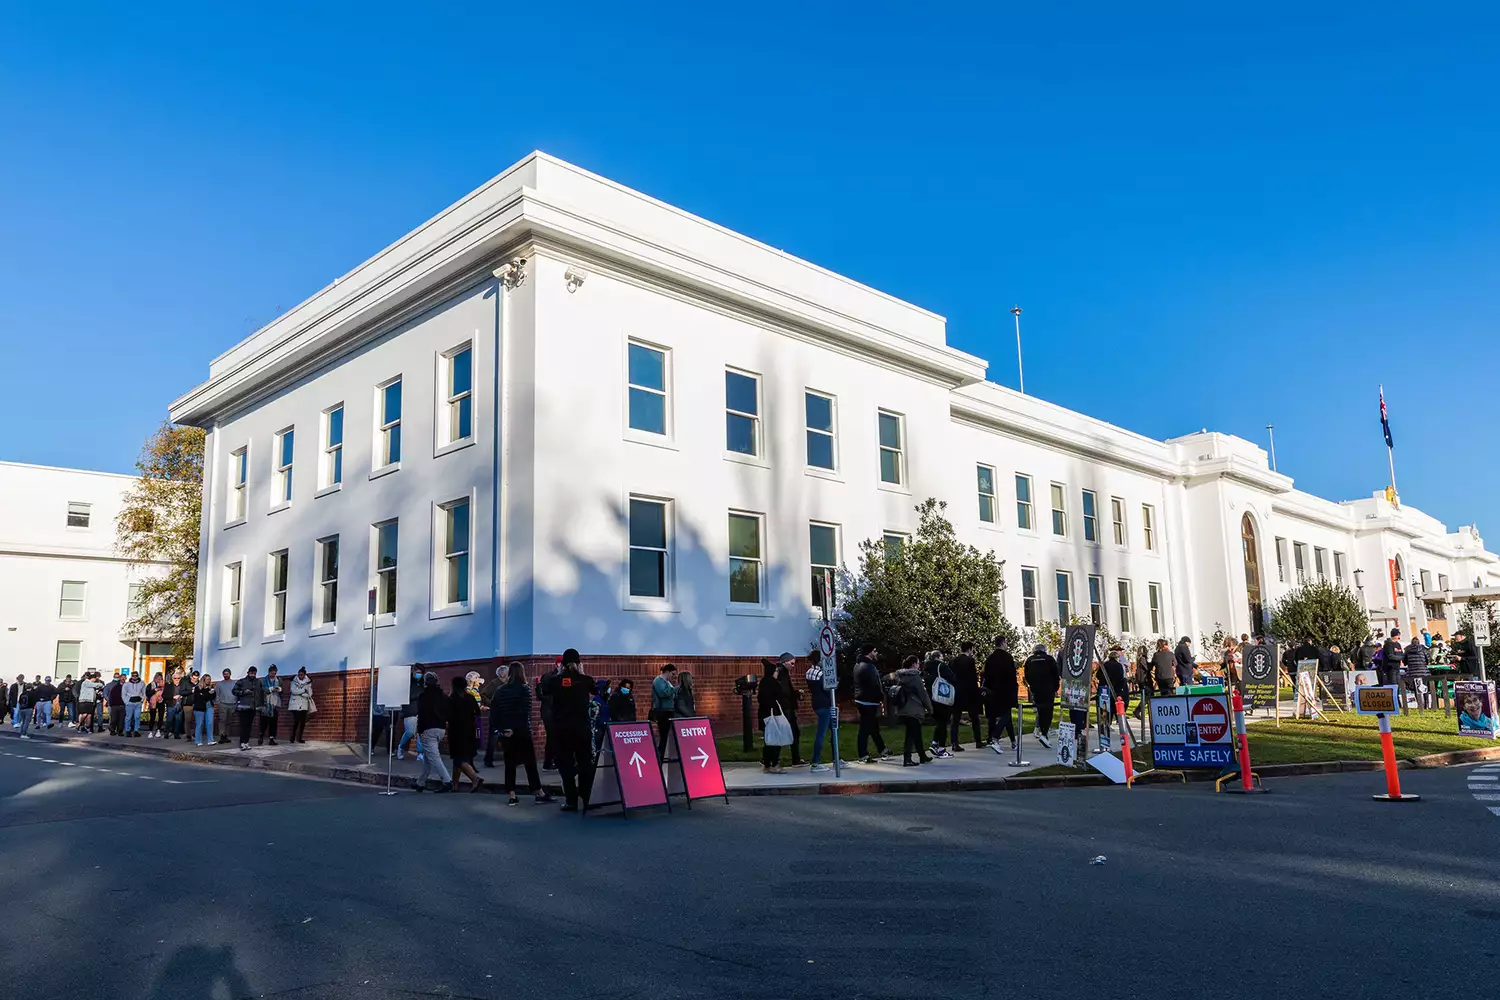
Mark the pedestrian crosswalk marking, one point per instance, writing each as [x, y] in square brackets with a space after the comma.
[1486, 798]
[1495, 810]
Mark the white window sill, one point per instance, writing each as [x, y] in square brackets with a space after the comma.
[832, 475]
[740, 458]
[231, 643]
[988, 526]
[274, 637]
[385, 470]
[452, 446]
[234, 524]
[328, 490]
[64, 618]
[885, 487]
[329, 628]
[750, 611]
[451, 611]
[651, 440]
[381, 621]
[648, 605]
[279, 507]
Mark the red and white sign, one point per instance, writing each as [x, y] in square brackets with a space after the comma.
[826, 643]
[1212, 719]
[698, 774]
[636, 766]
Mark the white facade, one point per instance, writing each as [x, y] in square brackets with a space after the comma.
[64, 590]
[585, 308]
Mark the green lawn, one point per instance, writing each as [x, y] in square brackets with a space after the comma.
[1356, 737]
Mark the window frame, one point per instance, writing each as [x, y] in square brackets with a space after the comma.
[82, 602]
[1090, 521]
[993, 521]
[1058, 491]
[450, 403]
[85, 510]
[387, 431]
[902, 539]
[378, 575]
[1320, 563]
[899, 483]
[1117, 516]
[1338, 568]
[322, 623]
[133, 590]
[277, 600]
[1299, 562]
[232, 604]
[759, 559]
[666, 436]
[239, 486]
[646, 602]
[757, 454]
[832, 433]
[1026, 509]
[1031, 607]
[1154, 607]
[330, 453]
[1062, 580]
[282, 478]
[58, 670]
[1098, 610]
[1281, 559]
[443, 559]
[1148, 526]
[815, 578]
[1125, 604]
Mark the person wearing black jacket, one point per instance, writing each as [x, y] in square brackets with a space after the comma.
[1004, 694]
[432, 721]
[622, 702]
[822, 705]
[1183, 657]
[462, 725]
[1466, 652]
[41, 697]
[1113, 670]
[510, 714]
[1417, 671]
[1042, 681]
[966, 679]
[933, 668]
[18, 700]
[569, 691]
[544, 692]
[771, 698]
[1392, 656]
[792, 696]
[1365, 654]
[868, 697]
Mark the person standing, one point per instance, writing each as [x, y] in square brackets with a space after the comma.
[204, 696]
[432, 722]
[487, 699]
[770, 700]
[1164, 666]
[966, 678]
[790, 696]
[1417, 672]
[684, 703]
[300, 704]
[88, 698]
[1392, 656]
[19, 702]
[270, 706]
[1183, 659]
[1466, 653]
[409, 714]
[570, 690]
[187, 726]
[1115, 676]
[42, 699]
[67, 701]
[868, 697]
[156, 696]
[1042, 681]
[134, 693]
[912, 702]
[510, 713]
[934, 669]
[114, 703]
[224, 704]
[822, 706]
[544, 692]
[463, 734]
[622, 701]
[248, 695]
[663, 697]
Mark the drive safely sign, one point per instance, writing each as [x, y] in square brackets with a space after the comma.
[1192, 731]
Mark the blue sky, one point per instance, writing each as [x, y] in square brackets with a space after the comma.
[1211, 219]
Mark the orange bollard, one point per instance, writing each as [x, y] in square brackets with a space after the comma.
[1125, 743]
[1247, 776]
[1392, 775]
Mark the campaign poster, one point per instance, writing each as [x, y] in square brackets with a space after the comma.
[1076, 665]
[1105, 721]
[1308, 705]
[1477, 716]
[1258, 680]
[1067, 744]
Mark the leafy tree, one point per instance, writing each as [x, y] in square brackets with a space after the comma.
[1473, 607]
[157, 530]
[1326, 613]
[933, 593]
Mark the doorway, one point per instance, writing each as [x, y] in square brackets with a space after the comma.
[1252, 573]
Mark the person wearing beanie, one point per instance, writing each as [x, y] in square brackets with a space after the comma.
[570, 691]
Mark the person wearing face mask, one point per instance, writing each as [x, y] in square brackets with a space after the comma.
[409, 715]
[622, 702]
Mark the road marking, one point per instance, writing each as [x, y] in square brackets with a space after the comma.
[1486, 798]
[1495, 810]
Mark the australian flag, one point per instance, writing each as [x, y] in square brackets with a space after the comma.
[1385, 421]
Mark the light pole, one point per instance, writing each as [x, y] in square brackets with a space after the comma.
[1020, 369]
[1359, 584]
[1271, 430]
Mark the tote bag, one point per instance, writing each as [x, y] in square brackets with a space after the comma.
[778, 729]
[942, 691]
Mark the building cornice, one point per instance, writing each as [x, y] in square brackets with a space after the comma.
[1034, 424]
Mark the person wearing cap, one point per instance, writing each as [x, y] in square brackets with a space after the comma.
[1042, 682]
[663, 697]
[570, 690]
[45, 692]
[1392, 656]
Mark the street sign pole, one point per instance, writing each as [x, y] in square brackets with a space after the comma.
[829, 652]
[1481, 636]
[370, 729]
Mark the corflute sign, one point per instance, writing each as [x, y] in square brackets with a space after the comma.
[1192, 731]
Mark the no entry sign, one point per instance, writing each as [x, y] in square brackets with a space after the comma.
[627, 771]
[1191, 731]
[693, 766]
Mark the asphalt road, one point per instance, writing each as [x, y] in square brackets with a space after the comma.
[126, 876]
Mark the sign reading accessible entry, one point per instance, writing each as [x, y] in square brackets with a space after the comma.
[627, 772]
[697, 773]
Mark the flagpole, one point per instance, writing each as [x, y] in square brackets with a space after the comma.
[1390, 455]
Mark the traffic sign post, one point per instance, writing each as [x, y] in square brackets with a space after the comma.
[828, 648]
[626, 772]
[698, 774]
[1191, 731]
[1481, 636]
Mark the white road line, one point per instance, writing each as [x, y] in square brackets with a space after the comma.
[1495, 810]
[67, 763]
[1486, 798]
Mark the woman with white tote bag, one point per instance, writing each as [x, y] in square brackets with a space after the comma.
[777, 730]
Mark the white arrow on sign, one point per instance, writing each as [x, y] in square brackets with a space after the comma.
[701, 757]
[637, 760]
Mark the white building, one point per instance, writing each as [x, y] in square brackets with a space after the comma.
[561, 413]
[65, 592]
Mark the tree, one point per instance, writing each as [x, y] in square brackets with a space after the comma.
[933, 593]
[1473, 606]
[157, 530]
[1326, 613]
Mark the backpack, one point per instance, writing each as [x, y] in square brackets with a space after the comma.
[942, 691]
[897, 695]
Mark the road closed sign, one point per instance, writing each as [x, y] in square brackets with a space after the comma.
[632, 760]
[1192, 731]
[1377, 699]
[693, 768]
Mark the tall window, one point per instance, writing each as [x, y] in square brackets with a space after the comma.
[276, 593]
[986, 494]
[745, 559]
[326, 607]
[458, 390]
[79, 514]
[133, 605]
[1064, 596]
[1153, 598]
[647, 388]
[648, 548]
[65, 662]
[332, 471]
[1117, 515]
[239, 474]
[1148, 526]
[71, 604]
[1320, 563]
[386, 547]
[388, 445]
[820, 433]
[1096, 599]
[1059, 510]
[1281, 559]
[1124, 592]
[284, 452]
[453, 521]
[1090, 516]
[233, 599]
[1425, 576]
[1299, 556]
[823, 554]
[1023, 502]
[742, 412]
[892, 455]
[1338, 568]
[1030, 604]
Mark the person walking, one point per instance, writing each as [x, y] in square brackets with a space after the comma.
[1418, 670]
[570, 690]
[432, 722]
[868, 697]
[248, 696]
[942, 690]
[301, 704]
[1113, 669]
[409, 714]
[770, 700]
[1183, 659]
[1145, 680]
[510, 713]
[970, 702]
[133, 692]
[487, 700]
[1042, 681]
[18, 701]
[463, 734]
[224, 706]
[791, 697]
[270, 706]
[204, 696]
[912, 703]
[544, 692]
[663, 697]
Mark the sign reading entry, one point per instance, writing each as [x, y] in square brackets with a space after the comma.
[1191, 731]
[697, 774]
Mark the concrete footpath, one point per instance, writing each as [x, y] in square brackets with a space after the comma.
[972, 770]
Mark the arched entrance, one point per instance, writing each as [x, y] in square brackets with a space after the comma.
[1252, 572]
